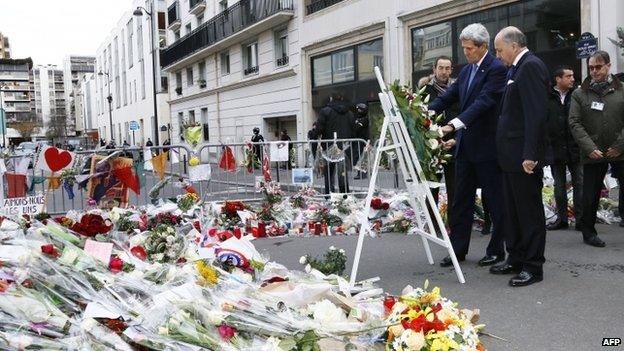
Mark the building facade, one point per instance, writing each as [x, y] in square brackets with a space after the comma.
[50, 105]
[5, 49]
[74, 70]
[227, 69]
[233, 66]
[17, 98]
[124, 73]
[89, 105]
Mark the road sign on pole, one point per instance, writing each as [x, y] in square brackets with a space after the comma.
[133, 125]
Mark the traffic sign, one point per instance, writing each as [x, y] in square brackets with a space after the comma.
[587, 46]
[133, 126]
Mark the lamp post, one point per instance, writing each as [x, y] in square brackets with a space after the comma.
[109, 98]
[2, 118]
[138, 13]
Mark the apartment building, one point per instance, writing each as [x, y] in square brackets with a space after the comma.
[50, 105]
[5, 49]
[74, 70]
[89, 105]
[125, 76]
[233, 66]
[17, 98]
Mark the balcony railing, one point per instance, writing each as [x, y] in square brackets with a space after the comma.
[251, 70]
[318, 5]
[282, 61]
[235, 19]
[197, 6]
[172, 13]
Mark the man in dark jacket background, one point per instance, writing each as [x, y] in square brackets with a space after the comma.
[565, 151]
[597, 124]
[335, 120]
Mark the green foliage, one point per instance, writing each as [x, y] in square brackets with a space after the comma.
[333, 262]
[620, 40]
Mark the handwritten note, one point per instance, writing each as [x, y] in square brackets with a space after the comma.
[98, 250]
[199, 173]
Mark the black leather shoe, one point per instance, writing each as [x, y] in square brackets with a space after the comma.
[557, 225]
[447, 262]
[489, 260]
[525, 278]
[505, 268]
[594, 241]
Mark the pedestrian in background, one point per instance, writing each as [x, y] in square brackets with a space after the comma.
[257, 148]
[597, 124]
[565, 151]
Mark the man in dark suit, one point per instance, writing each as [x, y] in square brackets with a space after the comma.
[478, 90]
[521, 145]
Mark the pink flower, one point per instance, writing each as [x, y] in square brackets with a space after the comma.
[226, 332]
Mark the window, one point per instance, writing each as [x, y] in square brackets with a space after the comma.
[200, 19]
[202, 73]
[189, 76]
[204, 122]
[124, 84]
[116, 63]
[117, 92]
[181, 122]
[334, 68]
[179, 79]
[225, 63]
[281, 47]
[142, 64]
[176, 35]
[250, 58]
[551, 27]
[188, 28]
[135, 92]
[139, 39]
[191, 116]
[369, 55]
[162, 22]
[321, 74]
[130, 30]
[223, 5]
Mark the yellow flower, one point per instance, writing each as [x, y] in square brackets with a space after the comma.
[207, 274]
[194, 161]
[441, 342]
[429, 298]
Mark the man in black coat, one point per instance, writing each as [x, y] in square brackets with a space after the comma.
[565, 151]
[521, 147]
[478, 93]
[257, 148]
[335, 120]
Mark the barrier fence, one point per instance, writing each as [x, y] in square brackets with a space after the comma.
[22, 180]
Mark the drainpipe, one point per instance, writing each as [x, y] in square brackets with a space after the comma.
[217, 97]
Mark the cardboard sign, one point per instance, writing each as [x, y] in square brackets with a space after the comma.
[30, 205]
[99, 250]
[279, 151]
[53, 160]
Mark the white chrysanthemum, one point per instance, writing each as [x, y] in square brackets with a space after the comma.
[303, 260]
[326, 313]
[332, 248]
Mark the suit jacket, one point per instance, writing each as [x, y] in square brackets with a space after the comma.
[478, 109]
[521, 133]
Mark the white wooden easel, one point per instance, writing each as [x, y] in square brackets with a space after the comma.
[417, 186]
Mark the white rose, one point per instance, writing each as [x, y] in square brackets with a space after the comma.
[342, 251]
[308, 268]
[433, 143]
[415, 341]
[303, 260]
[332, 248]
[327, 313]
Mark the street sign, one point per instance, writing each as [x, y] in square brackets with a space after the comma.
[586, 46]
[133, 125]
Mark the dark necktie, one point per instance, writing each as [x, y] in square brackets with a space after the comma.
[510, 72]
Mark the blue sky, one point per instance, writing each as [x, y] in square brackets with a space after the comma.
[48, 30]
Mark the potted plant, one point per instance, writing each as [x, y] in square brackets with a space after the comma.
[202, 83]
[178, 90]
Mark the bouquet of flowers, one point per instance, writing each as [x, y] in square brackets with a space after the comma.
[299, 199]
[424, 321]
[90, 225]
[192, 132]
[187, 201]
[272, 192]
[423, 130]
[333, 262]
[163, 244]
[228, 215]
[166, 218]
[250, 160]
[378, 204]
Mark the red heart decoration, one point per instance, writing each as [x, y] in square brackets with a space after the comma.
[57, 160]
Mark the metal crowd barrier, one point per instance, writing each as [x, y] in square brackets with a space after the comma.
[222, 185]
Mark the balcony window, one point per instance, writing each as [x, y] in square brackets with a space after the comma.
[225, 63]
[200, 20]
[189, 76]
[179, 80]
[172, 13]
[250, 58]
[317, 5]
[204, 122]
[223, 5]
[202, 74]
[188, 28]
[281, 47]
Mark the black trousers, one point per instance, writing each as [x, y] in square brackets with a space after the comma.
[330, 173]
[561, 193]
[468, 177]
[525, 226]
[593, 180]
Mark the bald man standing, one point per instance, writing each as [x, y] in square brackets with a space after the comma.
[521, 146]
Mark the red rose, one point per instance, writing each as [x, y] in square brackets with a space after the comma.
[139, 252]
[116, 264]
[49, 249]
[90, 225]
[226, 332]
[376, 203]
[385, 206]
[197, 225]
[426, 123]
